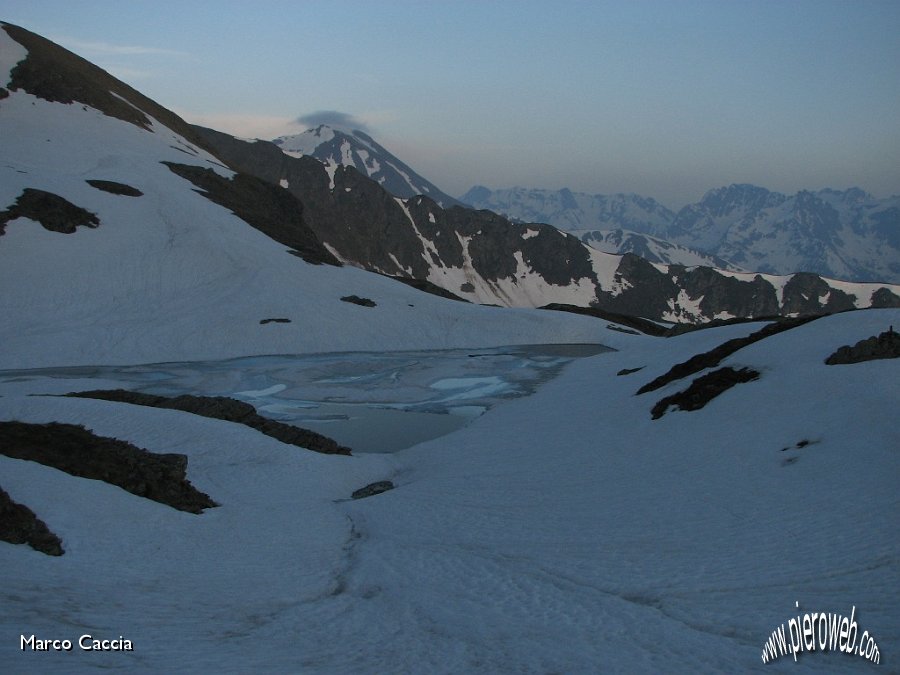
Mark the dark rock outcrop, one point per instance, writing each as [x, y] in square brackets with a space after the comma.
[227, 409]
[884, 297]
[807, 293]
[52, 211]
[704, 389]
[276, 320]
[884, 346]
[373, 489]
[19, 525]
[79, 452]
[356, 300]
[115, 188]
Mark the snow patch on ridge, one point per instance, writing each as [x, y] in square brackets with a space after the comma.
[11, 52]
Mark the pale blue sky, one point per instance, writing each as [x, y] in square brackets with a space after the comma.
[663, 98]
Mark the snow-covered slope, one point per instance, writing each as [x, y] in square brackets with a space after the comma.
[562, 532]
[354, 148]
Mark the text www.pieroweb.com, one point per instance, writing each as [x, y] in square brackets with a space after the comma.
[821, 631]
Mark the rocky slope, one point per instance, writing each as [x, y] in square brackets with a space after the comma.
[483, 257]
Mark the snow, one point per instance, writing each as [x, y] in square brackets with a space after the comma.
[683, 308]
[347, 154]
[305, 143]
[11, 52]
[545, 536]
[331, 168]
[284, 183]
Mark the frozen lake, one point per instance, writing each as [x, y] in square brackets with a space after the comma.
[369, 401]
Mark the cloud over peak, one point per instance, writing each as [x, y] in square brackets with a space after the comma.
[333, 118]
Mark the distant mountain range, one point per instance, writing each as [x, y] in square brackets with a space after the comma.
[845, 234]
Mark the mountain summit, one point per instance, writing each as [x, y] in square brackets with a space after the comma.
[334, 146]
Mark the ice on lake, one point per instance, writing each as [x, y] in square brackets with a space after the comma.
[368, 401]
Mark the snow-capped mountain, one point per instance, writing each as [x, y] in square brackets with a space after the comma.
[650, 248]
[569, 210]
[842, 234]
[839, 234]
[351, 147]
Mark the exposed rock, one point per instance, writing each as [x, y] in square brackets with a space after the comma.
[704, 389]
[79, 452]
[270, 209]
[265, 321]
[806, 293]
[885, 346]
[52, 211]
[356, 300]
[227, 409]
[629, 371]
[722, 293]
[115, 188]
[3, 93]
[19, 525]
[883, 297]
[373, 489]
[714, 356]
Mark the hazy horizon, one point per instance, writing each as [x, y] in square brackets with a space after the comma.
[663, 99]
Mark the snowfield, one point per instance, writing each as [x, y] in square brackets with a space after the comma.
[562, 532]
